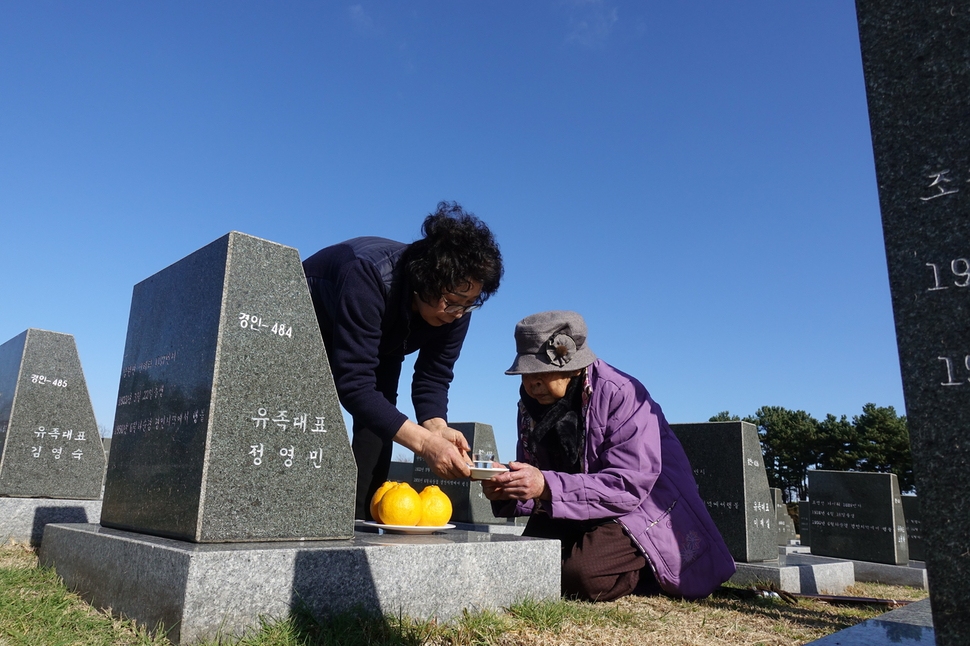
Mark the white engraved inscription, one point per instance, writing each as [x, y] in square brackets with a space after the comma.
[255, 323]
[51, 442]
[283, 421]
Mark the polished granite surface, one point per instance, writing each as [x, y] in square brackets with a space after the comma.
[911, 625]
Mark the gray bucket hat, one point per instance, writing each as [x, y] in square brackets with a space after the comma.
[551, 342]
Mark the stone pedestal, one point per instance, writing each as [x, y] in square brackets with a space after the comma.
[799, 574]
[22, 520]
[201, 591]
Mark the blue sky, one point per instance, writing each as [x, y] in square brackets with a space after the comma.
[696, 179]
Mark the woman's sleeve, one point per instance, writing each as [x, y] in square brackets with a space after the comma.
[434, 370]
[354, 356]
[628, 461]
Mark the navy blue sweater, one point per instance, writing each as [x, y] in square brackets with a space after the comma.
[363, 304]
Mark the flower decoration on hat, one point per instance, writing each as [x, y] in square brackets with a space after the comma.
[560, 349]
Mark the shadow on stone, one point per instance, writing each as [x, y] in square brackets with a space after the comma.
[330, 582]
[46, 515]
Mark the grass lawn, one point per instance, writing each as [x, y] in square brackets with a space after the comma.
[37, 610]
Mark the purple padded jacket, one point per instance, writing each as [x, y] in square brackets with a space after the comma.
[635, 470]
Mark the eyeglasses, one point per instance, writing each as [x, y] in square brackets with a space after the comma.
[456, 309]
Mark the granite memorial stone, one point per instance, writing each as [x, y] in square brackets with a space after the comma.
[857, 516]
[49, 441]
[731, 479]
[914, 527]
[916, 61]
[804, 522]
[784, 524]
[401, 472]
[467, 499]
[227, 426]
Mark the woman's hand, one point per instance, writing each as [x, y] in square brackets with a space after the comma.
[439, 448]
[522, 482]
[440, 427]
[444, 458]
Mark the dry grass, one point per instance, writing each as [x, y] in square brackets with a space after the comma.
[725, 619]
[715, 621]
[16, 555]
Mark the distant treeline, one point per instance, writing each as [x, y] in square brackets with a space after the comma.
[794, 442]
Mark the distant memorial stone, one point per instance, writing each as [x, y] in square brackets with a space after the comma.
[227, 426]
[857, 516]
[804, 522]
[731, 479]
[916, 60]
[914, 527]
[784, 524]
[467, 499]
[401, 472]
[49, 441]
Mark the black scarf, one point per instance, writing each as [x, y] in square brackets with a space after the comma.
[559, 428]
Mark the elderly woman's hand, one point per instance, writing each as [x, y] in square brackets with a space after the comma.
[522, 482]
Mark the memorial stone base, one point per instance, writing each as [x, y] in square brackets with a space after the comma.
[497, 527]
[913, 574]
[798, 574]
[201, 591]
[22, 520]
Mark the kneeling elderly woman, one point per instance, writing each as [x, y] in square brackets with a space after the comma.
[599, 468]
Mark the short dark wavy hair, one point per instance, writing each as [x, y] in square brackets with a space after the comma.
[456, 247]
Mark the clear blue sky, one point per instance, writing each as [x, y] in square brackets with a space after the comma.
[695, 178]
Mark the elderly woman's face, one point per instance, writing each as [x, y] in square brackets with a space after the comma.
[547, 387]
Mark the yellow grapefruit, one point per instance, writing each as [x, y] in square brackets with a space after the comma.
[400, 505]
[435, 507]
[377, 498]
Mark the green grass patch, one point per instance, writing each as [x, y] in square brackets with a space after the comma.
[37, 610]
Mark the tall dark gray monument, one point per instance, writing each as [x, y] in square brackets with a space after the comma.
[467, 499]
[227, 426]
[49, 441]
[916, 59]
[857, 516]
[731, 479]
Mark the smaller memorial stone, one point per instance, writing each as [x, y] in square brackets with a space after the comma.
[467, 499]
[730, 473]
[785, 524]
[914, 530]
[858, 516]
[49, 441]
[804, 522]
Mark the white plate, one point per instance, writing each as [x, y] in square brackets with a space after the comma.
[408, 529]
[486, 474]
